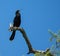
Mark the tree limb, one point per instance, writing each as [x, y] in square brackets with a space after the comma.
[31, 50]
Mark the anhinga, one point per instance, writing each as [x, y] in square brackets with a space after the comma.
[16, 23]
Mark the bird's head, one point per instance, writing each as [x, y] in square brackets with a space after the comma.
[17, 13]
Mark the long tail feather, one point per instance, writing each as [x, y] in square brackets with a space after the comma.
[12, 36]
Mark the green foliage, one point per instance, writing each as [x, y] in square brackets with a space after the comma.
[55, 49]
[37, 54]
[48, 54]
[43, 54]
[55, 35]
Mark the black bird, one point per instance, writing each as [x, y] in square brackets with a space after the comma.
[16, 23]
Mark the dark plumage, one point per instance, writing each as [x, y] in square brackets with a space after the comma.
[16, 23]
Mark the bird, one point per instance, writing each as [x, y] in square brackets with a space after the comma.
[16, 23]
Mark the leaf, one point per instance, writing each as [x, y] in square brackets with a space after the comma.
[37, 54]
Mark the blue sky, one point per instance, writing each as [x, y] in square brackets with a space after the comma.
[37, 17]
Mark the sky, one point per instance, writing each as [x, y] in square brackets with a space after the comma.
[37, 17]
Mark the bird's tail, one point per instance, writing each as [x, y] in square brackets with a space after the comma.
[12, 36]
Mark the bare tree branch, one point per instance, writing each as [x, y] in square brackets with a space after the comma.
[31, 50]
